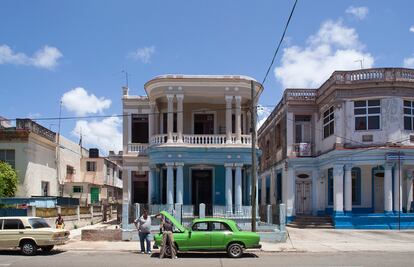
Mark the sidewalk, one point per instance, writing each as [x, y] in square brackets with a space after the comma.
[301, 240]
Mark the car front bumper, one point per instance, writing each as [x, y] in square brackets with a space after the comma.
[258, 246]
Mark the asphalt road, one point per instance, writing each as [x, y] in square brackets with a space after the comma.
[129, 259]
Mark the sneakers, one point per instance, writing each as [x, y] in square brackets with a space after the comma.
[149, 252]
[142, 252]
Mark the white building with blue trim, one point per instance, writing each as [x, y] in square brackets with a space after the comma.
[345, 149]
[188, 142]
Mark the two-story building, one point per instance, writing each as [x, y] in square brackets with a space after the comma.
[188, 142]
[344, 149]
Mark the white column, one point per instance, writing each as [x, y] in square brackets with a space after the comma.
[151, 121]
[229, 187]
[338, 179]
[348, 188]
[397, 188]
[272, 186]
[289, 133]
[409, 186]
[315, 191]
[238, 188]
[126, 197]
[129, 120]
[388, 188]
[170, 183]
[150, 185]
[170, 118]
[180, 183]
[229, 100]
[180, 115]
[238, 119]
[290, 194]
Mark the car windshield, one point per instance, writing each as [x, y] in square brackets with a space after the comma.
[38, 223]
[238, 227]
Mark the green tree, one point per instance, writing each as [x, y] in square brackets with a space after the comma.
[8, 180]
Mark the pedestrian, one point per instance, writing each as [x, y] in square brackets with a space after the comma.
[59, 223]
[143, 224]
[167, 240]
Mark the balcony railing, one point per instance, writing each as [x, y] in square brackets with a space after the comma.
[140, 149]
[302, 149]
[201, 139]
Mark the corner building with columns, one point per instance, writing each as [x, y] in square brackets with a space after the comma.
[344, 150]
[188, 142]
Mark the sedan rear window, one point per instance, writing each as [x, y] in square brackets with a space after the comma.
[38, 223]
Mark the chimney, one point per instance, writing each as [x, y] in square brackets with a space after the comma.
[125, 91]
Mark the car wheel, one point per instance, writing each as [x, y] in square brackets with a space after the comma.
[47, 248]
[168, 251]
[28, 248]
[235, 250]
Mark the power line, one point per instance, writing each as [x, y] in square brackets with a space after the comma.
[280, 42]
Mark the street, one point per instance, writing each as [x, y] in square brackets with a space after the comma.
[92, 258]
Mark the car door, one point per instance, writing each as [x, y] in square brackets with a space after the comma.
[13, 230]
[221, 234]
[200, 236]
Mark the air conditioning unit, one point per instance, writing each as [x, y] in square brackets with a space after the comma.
[367, 138]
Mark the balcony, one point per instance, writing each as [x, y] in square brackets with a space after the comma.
[137, 148]
[202, 139]
[302, 149]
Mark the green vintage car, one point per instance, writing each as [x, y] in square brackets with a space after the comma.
[210, 234]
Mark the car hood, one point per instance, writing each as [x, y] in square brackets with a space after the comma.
[173, 220]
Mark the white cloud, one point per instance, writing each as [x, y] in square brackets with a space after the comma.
[334, 47]
[46, 58]
[262, 114]
[359, 12]
[81, 103]
[412, 28]
[105, 134]
[143, 54]
[409, 62]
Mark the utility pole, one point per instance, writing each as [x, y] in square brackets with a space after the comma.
[254, 159]
[60, 186]
[399, 190]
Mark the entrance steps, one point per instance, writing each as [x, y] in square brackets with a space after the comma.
[311, 222]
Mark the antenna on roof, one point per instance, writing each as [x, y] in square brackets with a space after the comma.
[126, 77]
[361, 61]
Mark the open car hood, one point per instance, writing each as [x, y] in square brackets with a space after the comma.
[178, 225]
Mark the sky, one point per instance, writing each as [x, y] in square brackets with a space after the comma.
[76, 52]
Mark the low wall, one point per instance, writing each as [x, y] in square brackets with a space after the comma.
[101, 235]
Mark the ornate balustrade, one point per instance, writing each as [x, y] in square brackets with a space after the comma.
[141, 149]
[201, 139]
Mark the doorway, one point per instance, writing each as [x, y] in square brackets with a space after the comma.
[203, 123]
[378, 191]
[303, 197]
[202, 189]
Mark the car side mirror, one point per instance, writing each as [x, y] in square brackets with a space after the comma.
[189, 233]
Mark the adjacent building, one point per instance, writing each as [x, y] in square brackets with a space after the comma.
[188, 142]
[52, 165]
[345, 149]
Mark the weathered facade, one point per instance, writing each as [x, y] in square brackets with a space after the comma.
[345, 149]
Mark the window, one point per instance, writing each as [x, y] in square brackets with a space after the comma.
[7, 155]
[37, 223]
[367, 114]
[219, 226]
[267, 149]
[70, 170]
[201, 226]
[120, 174]
[328, 122]
[90, 166]
[11, 224]
[278, 136]
[108, 170]
[77, 189]
[279, 187]
[408, 115]
[45, 189]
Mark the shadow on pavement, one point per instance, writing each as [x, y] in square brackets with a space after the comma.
[194, 255]
[16, 252]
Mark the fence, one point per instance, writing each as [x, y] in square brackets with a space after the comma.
[270, 213]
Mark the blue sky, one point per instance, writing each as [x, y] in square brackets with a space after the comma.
[79, 48]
